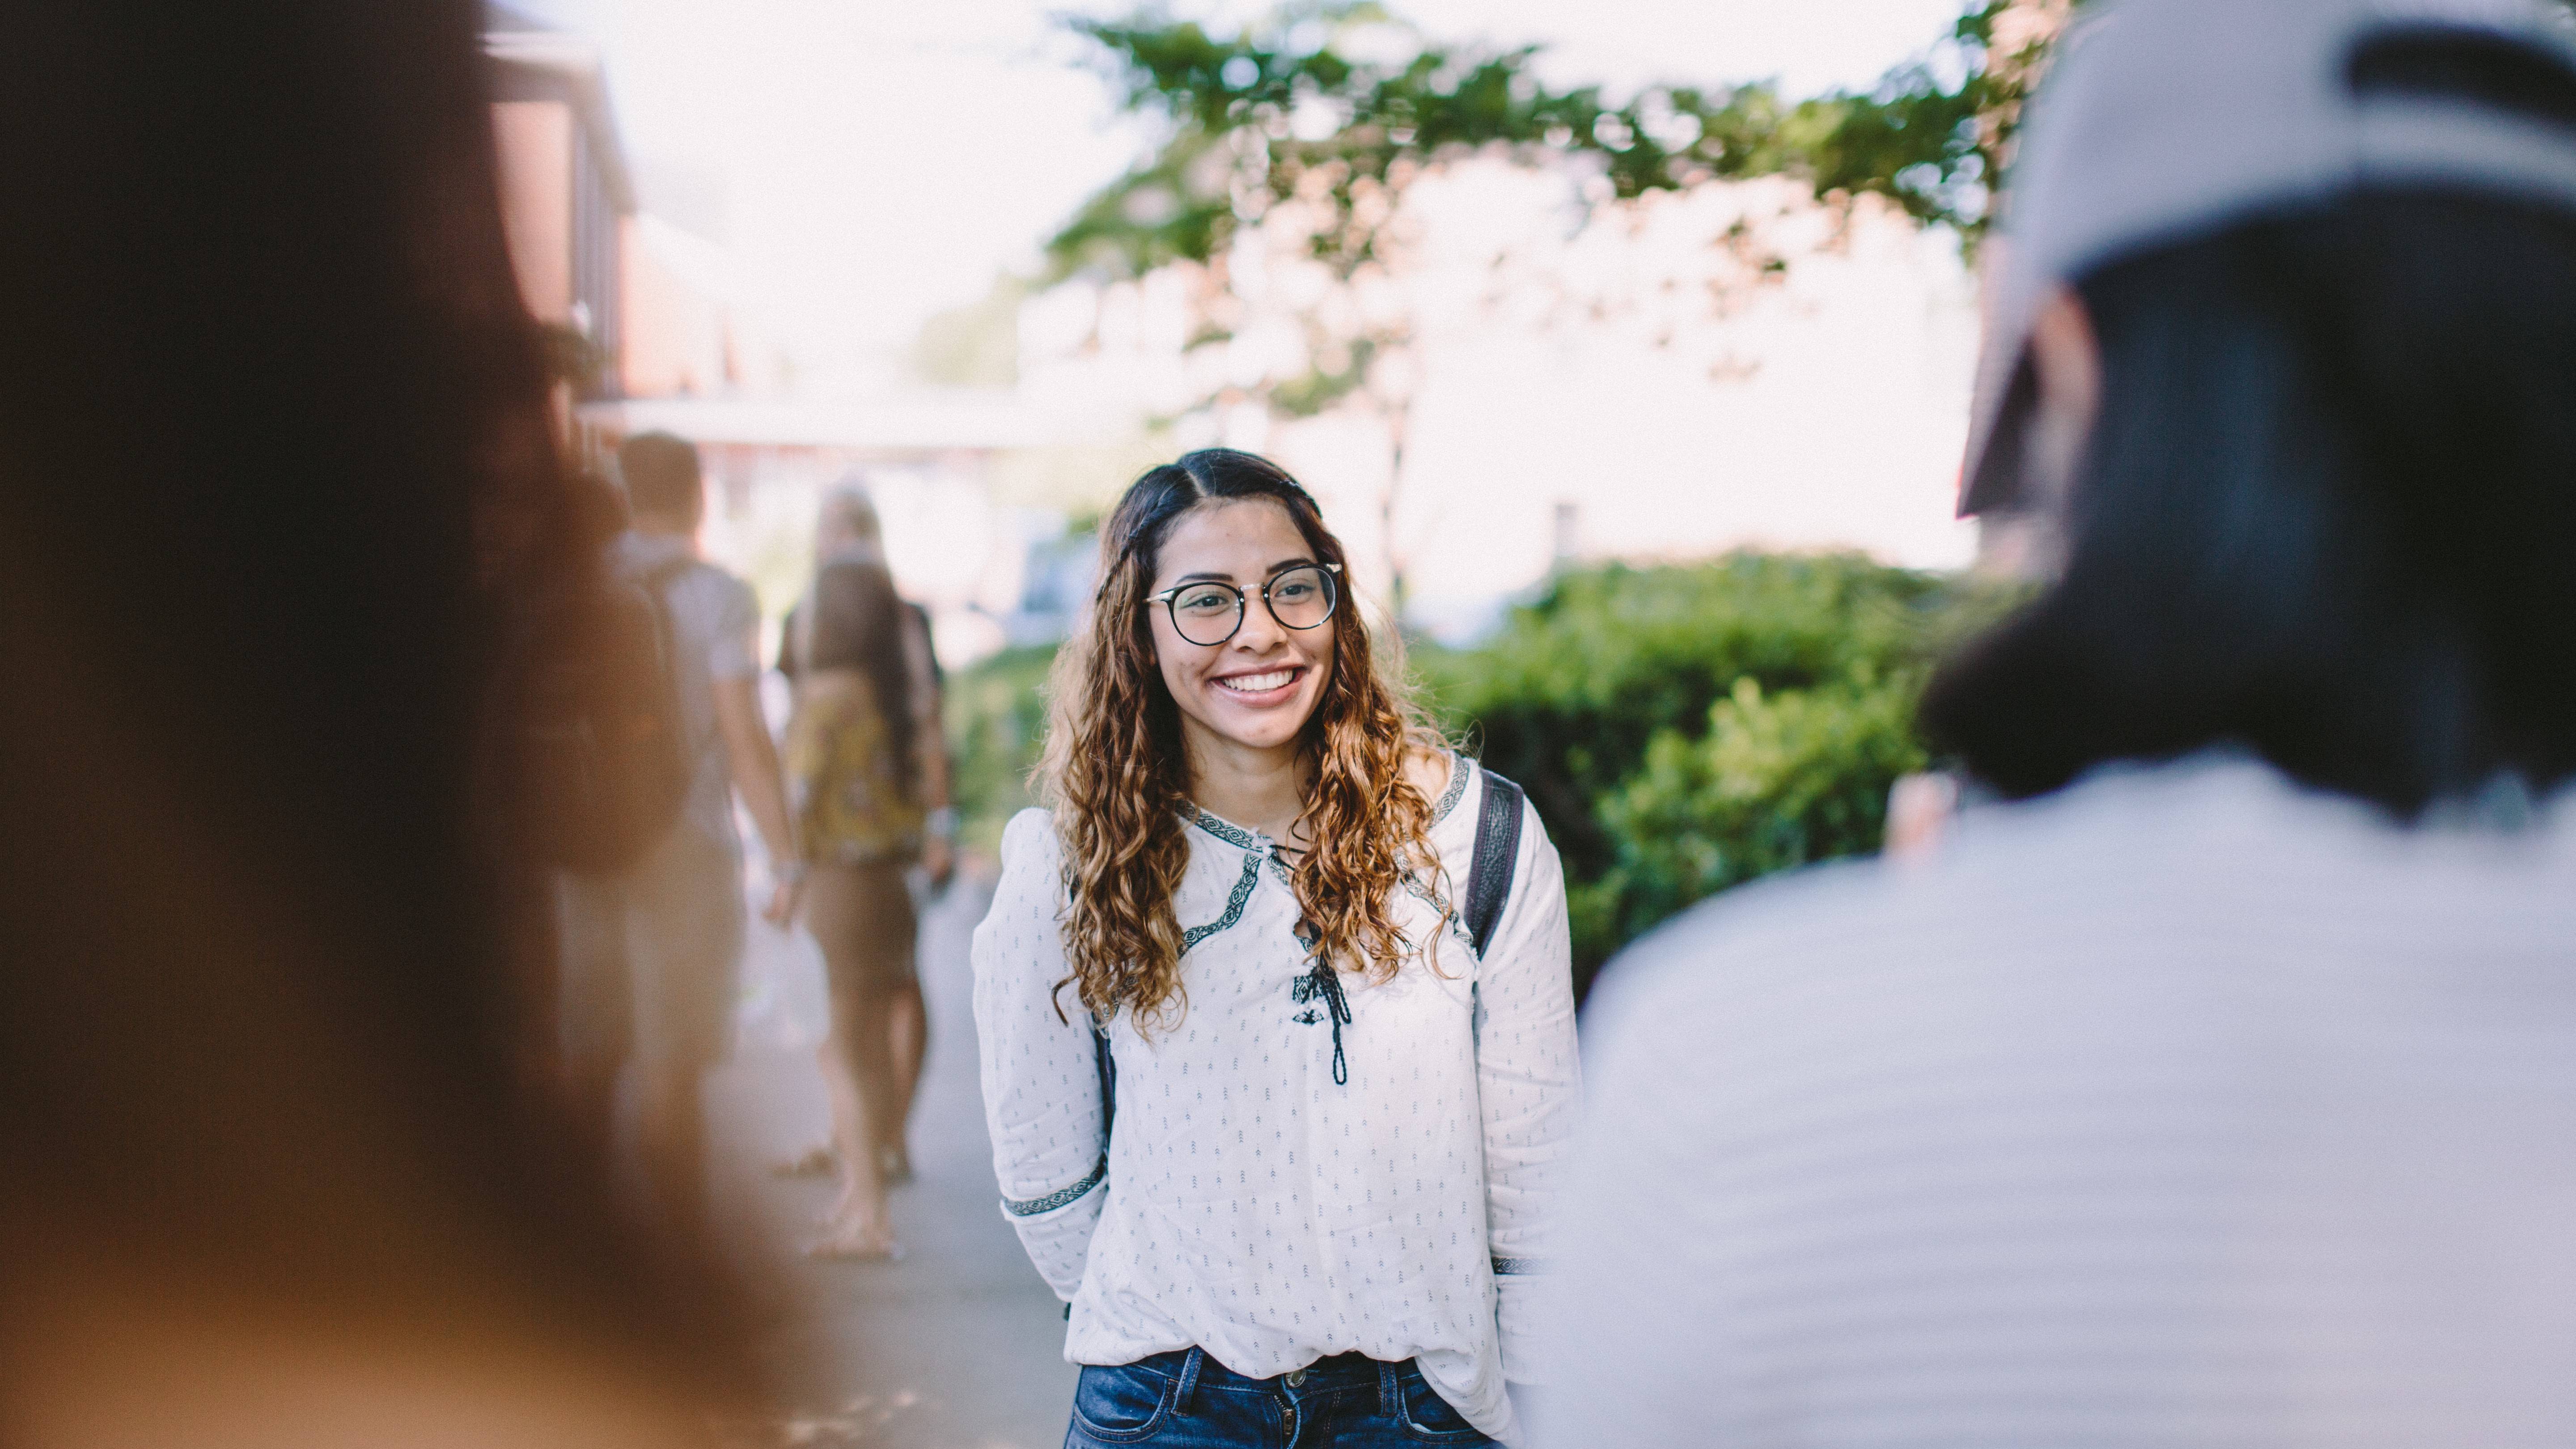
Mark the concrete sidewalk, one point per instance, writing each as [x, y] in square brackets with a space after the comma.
[960, 1345]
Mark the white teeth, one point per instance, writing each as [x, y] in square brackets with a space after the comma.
[1259, 683]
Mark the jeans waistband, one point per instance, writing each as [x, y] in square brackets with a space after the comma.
[1341, 1373]
[1338, 1370]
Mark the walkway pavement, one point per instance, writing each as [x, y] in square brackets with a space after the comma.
[960, 1345]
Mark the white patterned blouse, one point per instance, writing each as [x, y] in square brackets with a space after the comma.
[1296, 1171]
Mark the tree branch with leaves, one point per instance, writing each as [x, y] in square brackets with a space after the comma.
[1288, 148]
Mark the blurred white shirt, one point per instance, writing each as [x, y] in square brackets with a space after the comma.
[714, 619]
[2180, 1108]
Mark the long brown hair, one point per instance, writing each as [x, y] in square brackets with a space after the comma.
[857, 623]
[1118, 778]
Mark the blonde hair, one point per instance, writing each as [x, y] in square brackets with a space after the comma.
[848, 514]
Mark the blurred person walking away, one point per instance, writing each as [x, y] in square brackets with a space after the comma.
[287, 546]
[1276, 1006]
[2221, 1089]
[868, 766]
[651, 951]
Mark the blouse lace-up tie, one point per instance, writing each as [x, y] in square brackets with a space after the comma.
[1321, 981]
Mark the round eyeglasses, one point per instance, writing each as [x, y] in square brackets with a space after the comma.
[1208, 612]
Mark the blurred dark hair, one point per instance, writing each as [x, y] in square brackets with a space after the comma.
[662, 476]
[858, 624]
[2326, 513]
[282, 505]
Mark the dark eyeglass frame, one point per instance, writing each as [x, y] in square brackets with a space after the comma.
[1242, 602]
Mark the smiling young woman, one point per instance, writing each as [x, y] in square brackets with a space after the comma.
[1315, 968]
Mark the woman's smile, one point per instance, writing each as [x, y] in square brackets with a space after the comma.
[1263, 687]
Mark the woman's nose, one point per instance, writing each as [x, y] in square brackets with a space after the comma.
[1260, 631]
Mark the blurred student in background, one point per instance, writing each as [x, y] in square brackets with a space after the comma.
[282, 540]
[652, 947]
[869, 767]
[2223, 1089]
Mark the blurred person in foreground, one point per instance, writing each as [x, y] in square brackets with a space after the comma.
[868, 768]
[652, 950]
[1276, 1005]
[2222, 1089]
[283, 540]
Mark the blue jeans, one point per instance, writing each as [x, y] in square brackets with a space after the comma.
[1190, 1401]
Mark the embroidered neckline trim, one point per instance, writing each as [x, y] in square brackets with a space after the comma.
[1234, 904]
[1226, 830]
[1449, 798]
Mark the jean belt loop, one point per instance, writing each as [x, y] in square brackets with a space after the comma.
[1189, 1380]
[1390, 1390]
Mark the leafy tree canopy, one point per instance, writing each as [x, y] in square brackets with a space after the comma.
[1340, 101]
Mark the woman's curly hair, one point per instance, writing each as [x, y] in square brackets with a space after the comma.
[1117, 776]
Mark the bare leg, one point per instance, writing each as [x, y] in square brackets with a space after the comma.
[862, 917]
[859, 1224]
[908, 1025]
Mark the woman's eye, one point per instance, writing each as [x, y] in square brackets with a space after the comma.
[1207, 601]
[1294, 592]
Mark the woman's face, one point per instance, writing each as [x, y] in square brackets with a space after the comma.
[1257, 689]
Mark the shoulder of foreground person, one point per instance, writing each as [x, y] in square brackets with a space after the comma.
[1893, 1098]
[2128, 850]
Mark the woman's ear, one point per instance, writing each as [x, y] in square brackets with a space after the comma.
[2067, 360]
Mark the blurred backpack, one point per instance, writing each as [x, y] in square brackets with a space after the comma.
[612, 761]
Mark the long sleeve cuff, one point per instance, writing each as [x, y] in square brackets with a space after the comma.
[1056, 1230]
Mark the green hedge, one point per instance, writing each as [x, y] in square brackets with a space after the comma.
[996, 721]
[1687, 728]
[1681, 729]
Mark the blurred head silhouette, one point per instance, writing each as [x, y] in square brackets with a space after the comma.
[665, 486]
[847, 521]
[282, 523]
[2283, 333]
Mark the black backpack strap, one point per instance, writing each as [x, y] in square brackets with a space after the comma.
[1107, 1066]
[1498, 851]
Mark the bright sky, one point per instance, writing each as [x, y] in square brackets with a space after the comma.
[881, 160]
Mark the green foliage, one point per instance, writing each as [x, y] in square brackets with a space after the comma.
[1238, 110]
[996, 720]
[1566, 698]
[1933, 146]
[1777, 782]
[1238, 136]
[1682, 729]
